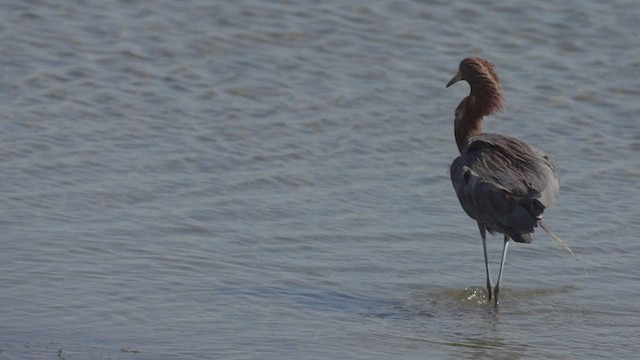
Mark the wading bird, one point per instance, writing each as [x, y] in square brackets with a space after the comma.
[501, 182]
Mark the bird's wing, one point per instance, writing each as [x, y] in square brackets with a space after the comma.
[504, 183]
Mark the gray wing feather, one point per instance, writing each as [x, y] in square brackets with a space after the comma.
[504, 184]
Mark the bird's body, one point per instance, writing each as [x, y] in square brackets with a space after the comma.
[504, 184]
[501, 182]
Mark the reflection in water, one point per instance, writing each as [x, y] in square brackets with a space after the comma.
[483, 339]
[469, 322]
[489, 346]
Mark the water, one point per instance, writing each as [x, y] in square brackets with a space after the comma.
[269, 180]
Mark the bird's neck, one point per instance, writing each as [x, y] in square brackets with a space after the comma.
[469, 120]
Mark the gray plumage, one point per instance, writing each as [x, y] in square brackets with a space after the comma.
[501, 182]
[504, 184]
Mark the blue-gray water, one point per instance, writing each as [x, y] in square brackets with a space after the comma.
[269, 180]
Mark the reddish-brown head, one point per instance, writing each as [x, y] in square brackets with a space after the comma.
[485, 97]
[484, 82]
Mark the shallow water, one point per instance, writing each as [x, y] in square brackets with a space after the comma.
[269, 180]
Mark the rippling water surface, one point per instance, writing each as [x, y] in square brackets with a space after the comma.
[269, 180]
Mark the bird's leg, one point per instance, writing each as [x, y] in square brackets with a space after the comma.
[504, 257]
[483, 233]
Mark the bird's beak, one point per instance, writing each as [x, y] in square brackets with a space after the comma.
[455, 79]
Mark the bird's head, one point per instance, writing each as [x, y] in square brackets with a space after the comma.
[474, 70]
[483, 80]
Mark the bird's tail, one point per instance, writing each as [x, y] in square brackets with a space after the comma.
[560, 242]
[555, 238]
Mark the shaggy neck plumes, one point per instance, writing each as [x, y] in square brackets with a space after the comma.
[485, 98]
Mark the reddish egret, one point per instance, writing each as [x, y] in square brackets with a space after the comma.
[501, 182]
